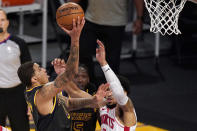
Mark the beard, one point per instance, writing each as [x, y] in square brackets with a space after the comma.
[111, 106]
[1, 30]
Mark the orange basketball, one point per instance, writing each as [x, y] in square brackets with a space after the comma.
[66, 13]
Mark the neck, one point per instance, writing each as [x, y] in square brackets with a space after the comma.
[3, 36]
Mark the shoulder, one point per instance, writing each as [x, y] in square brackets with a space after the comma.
[19, 41]
[33, 89]
[30, 93]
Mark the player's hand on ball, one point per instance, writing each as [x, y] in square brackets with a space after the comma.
[77, 28]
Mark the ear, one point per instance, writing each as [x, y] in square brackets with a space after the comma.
[34, 79]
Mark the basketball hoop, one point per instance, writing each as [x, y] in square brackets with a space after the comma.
[164, 15]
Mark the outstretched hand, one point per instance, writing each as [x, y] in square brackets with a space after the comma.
[59, 65]
[101, 93]
[100, 53]
[77, 28]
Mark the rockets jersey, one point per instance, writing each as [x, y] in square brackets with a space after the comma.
[110, 123]
[3, 129]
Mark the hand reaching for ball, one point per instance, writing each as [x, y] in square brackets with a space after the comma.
[70, 17]
[76, 30]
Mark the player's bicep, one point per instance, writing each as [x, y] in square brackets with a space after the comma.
[43, 98]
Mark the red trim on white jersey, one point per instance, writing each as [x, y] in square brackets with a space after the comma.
[126, 128]
[3, 129]
[110, 123]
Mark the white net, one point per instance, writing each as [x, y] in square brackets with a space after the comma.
[164, 15]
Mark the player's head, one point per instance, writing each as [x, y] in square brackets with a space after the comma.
[111, 101]
[82, 77]
[4, 22]
[32, 74]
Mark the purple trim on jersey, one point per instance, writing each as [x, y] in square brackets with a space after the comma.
[5, 39]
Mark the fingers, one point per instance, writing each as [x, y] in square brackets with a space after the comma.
[74, 24]
[101, 45]
[58, 61]
[104, 87]
[83, 21]
[79, 23]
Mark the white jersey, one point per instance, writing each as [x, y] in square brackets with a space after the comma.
[110, 123]
[3, 129]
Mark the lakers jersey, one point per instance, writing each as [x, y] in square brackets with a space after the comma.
[110, 123]
[57, 120]
[85, 119]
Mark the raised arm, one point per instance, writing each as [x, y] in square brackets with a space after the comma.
[110, 76]
[123, 100]
[46, 94]
[73, 60]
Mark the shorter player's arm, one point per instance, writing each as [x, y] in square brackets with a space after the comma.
[110, 76]
[129, 117]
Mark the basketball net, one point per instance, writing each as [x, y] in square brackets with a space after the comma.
[164, 15]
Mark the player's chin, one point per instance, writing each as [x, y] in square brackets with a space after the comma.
[110, 103]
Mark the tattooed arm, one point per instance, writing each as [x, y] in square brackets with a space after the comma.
[77, 103]
[73, 60]
[44, 96]
[95, 101]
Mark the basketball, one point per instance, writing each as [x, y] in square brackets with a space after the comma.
[66, 13]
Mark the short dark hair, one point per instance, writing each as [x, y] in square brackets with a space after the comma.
[125, 83]
[25, 73]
